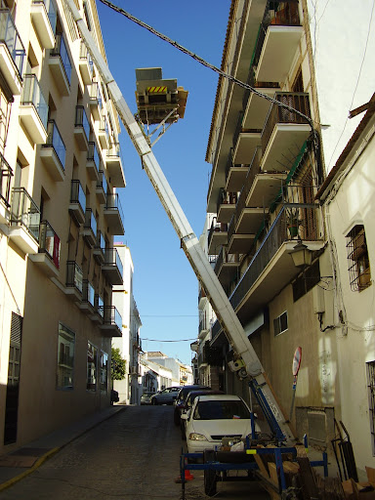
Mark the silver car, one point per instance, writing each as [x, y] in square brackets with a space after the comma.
[165, 397]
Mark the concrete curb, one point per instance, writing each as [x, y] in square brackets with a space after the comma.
[53, 451]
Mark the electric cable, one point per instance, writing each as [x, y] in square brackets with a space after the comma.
[202, 61]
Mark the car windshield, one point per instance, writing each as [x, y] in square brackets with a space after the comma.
[220, 410]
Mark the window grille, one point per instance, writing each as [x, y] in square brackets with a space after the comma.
[358, 260]
[371, 399]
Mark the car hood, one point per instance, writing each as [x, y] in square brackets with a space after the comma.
[215, 430]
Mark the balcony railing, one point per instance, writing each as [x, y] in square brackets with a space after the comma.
[100, 240]
[82, 121]
[84, 54]
[51, 11]
[278, 114]
[74, 275]
[25, 212]
[88, 292]
[280, 231]
[94, 93]
[112, 258]
[90, 222]
[9, 35]
[113, 203]
[32, 94]
[5, 175]
[111, 316]
[102, 182]
[114, 151]
[99, 305]
[77, 195]
[93, 154]
[49, 242]
[55, 141]
[61, 51]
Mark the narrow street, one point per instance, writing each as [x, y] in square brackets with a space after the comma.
[132, 456]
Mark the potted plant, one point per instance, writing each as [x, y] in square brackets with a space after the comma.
[293, 222]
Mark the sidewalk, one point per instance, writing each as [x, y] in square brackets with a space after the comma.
[22, 462]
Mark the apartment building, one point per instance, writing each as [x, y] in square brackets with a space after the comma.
[129, 343]
[271, 148]
[60, 209]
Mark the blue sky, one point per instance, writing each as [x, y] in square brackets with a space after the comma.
[165, 287]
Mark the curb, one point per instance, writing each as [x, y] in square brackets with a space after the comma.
[53, 451]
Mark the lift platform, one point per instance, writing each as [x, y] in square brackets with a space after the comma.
[158, 100]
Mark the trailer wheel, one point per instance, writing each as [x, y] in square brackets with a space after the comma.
[209, 475]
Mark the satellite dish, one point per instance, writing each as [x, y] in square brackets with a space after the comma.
[297, 361]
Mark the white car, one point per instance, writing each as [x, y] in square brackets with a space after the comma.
[214, 417]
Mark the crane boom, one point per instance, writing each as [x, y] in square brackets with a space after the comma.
[206, 276]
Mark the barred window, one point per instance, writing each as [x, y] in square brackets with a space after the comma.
[371, 399]
[358, 260]
[280, 324]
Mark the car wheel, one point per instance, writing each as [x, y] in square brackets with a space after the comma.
[154, 401]
[209, 475]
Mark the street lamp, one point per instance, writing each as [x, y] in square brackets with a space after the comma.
[301, 255]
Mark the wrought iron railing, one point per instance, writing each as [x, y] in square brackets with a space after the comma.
[82, 121]
[90, 221]
[112, 258]
[55, 141]
[32, 94]
[93, 154]
[60, 50]
[102, 182]
[113, 203]
[49, 242]
[5, 175]
[74, 275]
[25, 212]
[10, 36]
[111, 316]
[88, 292]
[77, 194]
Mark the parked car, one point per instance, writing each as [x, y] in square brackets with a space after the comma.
[179, 404]
[214, 417]
[165, 397]
[146, 398]
[189, 401]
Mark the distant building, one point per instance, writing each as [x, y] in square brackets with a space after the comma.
[181, 373]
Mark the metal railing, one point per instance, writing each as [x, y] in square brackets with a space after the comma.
[90, 221]
[277, 114]
[93, 155]
[81, 120]
[49, 242]
[51, 11]
[216, 227]
[84, 54]
[99, 304]
[114, 151]
[102, 182]
[77, 194]
[112, 258]
[10, 36]
[95, 95]
[113, 203]
[61, 51]
[25, 212]
[111, 316]
[6, 173]
[74, 275]
[88, 292]
[55, 141]
[32, 94]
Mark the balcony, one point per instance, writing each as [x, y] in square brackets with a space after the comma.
[202, 298]
[86, 65]
[235, 174]
[48, 257]
[95, 100]
[5, 177]
[99, 248]
[74, 281]
[103, 132]
[113, 214]
[227, 267]
[93, 162]
[77, 205]
[245, 142]
[33, 112]
[256, 107]
[12, 52]
[278, 42]
[112, 321]
[24, 221]
[285, 132]
[226, 206]
[101, 188]
[239, 242]
[112, 267]
[43, 18]
[90, 228]
[217, 237]
[60, 65]
[262, 187]
[272, 267]
[81, 129]
[88, 298]
[98, 316]
[114, 166]
[53, 153]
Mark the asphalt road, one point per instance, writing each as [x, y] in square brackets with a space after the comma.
[131, 456]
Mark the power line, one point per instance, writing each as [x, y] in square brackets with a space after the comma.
[168, 341]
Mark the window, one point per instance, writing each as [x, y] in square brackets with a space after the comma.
[358, 260]
[280, 324]
[371, 399]
[92, 360]
[65, 358]
[103, 371]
